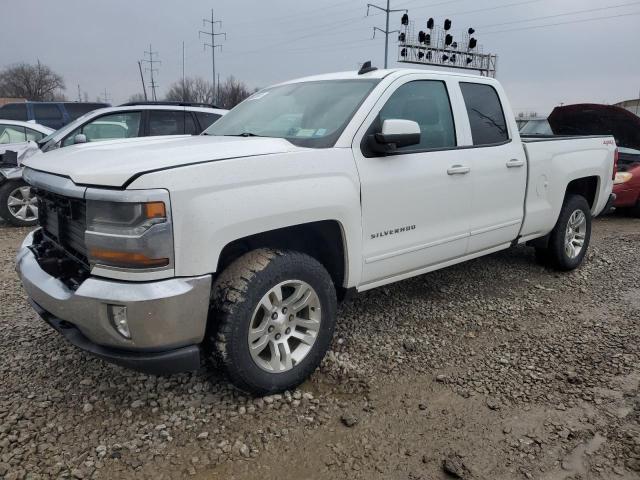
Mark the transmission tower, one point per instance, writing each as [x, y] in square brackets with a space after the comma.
[386, 31]
[212, 37]
[152, 70]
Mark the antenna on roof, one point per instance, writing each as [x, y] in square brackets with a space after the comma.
[366, 68]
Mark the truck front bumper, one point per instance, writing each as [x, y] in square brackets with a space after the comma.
[166, 319]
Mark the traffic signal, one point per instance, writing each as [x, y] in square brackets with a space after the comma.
[471, 31]
[473, 43]
[448, 40]
[431, 23]
[422, 36]
[427, 39]
[405, 19]
[447, 25]
[403, 52]
[401, 38]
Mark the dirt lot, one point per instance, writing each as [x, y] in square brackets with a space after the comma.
[496, 369]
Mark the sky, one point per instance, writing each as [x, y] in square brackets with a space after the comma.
[550, 51]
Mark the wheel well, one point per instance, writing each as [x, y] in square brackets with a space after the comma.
[587, 187]
[320, 240]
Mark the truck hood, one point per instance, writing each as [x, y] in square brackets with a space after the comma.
[112, 163]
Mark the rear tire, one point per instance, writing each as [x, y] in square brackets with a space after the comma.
[273, 317]
[18, 205]
[569, 240]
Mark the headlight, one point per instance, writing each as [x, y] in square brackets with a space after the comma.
[129, 231]
[622, 177]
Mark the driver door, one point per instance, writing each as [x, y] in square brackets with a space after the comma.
[416, 202]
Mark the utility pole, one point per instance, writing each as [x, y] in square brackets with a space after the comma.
[183, 85]
[152, 70]
[386, 31]
[212, 36]
[144, 88]
[79, 94]
[106, 96]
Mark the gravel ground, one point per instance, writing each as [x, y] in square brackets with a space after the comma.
[495, 369]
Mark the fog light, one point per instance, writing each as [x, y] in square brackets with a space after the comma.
[118, 316]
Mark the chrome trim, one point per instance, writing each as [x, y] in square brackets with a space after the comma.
[162, 315]
[129, 196]
[53, 183]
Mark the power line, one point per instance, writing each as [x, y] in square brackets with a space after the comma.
[546, 17]
[388, 11]
[152, 70]
[563, 23]
[212, 36]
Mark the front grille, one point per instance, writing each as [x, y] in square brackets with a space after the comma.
[64, 220]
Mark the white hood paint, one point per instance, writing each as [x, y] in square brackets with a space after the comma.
[113, 163]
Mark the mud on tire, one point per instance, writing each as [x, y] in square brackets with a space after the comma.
[238, 300]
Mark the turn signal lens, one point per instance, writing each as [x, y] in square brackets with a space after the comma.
[126, 259]
[155, 210]
[622, 177]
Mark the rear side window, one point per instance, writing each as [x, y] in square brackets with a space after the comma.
[46, 112]
[14, 111]
[488, 124]
[207, 119]
[166, 122]
[76, 110]
[425, 102]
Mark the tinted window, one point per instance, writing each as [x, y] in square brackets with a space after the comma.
[14, 111]
[45, 112]
[427, 104]
[76, 110]
[488, 125]
[12, 134]
[207, 119]
[34, 135]
[190, 127]
[166, 122]
[108, 127]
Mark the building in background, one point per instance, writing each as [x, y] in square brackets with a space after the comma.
[5, 100]
[632, 105]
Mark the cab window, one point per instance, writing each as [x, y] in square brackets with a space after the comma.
[488, 124]
[425, 102]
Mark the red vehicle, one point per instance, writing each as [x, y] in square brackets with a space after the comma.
[591, 119]
[627, 182]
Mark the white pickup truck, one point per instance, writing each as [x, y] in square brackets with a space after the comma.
[158, 253]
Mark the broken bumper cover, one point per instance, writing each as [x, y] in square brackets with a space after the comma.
[167, 319]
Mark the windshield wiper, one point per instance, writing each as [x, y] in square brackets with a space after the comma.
[244, 134]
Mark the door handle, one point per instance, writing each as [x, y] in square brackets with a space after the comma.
[458, 170]
[515, 163]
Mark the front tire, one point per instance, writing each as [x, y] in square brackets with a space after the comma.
[569, 240]
[18, 205]
[273, 315]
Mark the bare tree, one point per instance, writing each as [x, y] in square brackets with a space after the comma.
[136, 97]
[232, 92]
[198, 90]
[33, 82]
[192, 89]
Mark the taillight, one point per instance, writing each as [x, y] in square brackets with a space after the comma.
[616, 156]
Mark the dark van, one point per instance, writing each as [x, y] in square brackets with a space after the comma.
[50, 114]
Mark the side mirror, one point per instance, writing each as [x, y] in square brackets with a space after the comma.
[395, 134]
[79, 138]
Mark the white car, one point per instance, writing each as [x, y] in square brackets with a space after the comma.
[156, 252]
[14, 135]
[145, 119]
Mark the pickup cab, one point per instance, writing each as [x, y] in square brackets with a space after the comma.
[157, 254]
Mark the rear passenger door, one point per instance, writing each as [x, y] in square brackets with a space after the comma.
[499, 170]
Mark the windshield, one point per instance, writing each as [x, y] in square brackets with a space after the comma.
[536, 127]
[308, 114]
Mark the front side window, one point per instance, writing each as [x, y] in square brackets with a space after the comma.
[166, 122]
[108, 127]
[307, 114]
[12, 134]
[425, 102]
[488, 124]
